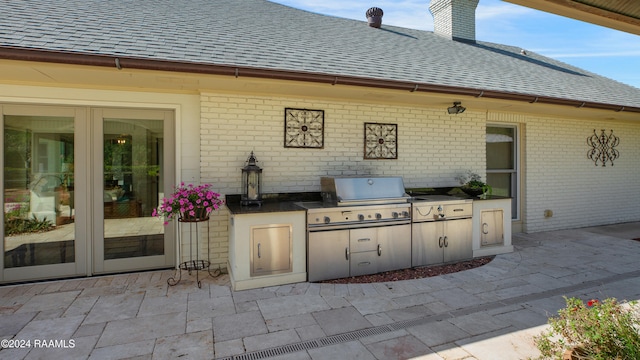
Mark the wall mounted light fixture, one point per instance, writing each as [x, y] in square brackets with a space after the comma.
[456, 108]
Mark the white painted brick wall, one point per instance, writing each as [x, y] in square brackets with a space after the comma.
[433, 147]
[454, 18]
[561, 178]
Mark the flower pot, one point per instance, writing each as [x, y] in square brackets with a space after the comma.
[472, 191]
[200, 215]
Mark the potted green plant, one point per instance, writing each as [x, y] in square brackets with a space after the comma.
[471, 184]
[599, 330]
[189, 203]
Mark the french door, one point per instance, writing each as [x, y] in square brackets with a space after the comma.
[129, 167]
[79, 185]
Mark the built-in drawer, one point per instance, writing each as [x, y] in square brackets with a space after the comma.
[363, 240]
[363, 263]
[452, 211]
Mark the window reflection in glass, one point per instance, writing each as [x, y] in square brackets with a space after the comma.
[501, 163]
[132, 188]
[38, 194]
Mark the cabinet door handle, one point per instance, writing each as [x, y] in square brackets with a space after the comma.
[485, 228]
[346, 253]
[440, 241]
[446, 243]
[364, 239]
[259, 251]
[379, 250]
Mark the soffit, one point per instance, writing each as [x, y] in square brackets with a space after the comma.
[623, 15]
[68, 76]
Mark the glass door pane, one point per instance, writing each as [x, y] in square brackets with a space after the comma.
[132, 173]
[502, 167]
[132, 151]
[39, 196]
[500, 148]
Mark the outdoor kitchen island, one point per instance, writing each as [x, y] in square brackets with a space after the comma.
[267, 243]
[308, 237]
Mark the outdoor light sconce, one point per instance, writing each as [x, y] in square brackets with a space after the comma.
[456, 108]
[251, 183]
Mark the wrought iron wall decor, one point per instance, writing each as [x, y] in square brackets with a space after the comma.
[380, 141]
[603, 147]
[303, 128]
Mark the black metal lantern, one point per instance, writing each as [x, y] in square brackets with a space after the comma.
[251, 182]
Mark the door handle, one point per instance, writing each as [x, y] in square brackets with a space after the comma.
[440, 241]
[446, 242]
[259, 251]
[364, 239]
[379, 250]
[346, 253]
[485, 228]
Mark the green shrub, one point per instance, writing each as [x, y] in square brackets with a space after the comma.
[601, 330]
[17, 225]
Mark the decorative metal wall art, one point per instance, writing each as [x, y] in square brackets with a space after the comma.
[603, 147]
[303, 128]
[380, 141]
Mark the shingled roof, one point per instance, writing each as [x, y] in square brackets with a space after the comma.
[257, 34]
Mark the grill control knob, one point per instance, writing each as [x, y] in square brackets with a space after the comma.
[394, 215]
[360, 217]
[327, 220]
[405, 214]
[378, 216]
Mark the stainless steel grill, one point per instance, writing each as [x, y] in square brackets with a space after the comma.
[348, 191]
[362, 226]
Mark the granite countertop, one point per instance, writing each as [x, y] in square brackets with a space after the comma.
[492, 197]
[267, 207]
[451, 192]
[284, 202]
[281, 202]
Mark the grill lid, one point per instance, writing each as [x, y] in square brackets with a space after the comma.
[363, 190]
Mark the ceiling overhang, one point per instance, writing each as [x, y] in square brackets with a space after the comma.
[623, 15]
[199, 80]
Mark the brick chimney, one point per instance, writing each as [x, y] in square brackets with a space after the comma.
[455, 19]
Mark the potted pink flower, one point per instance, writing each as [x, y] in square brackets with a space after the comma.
[189, 203]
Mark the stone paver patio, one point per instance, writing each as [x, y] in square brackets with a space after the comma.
[491, 312]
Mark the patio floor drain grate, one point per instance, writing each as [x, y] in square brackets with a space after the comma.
[359, 334]
[311, 344]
